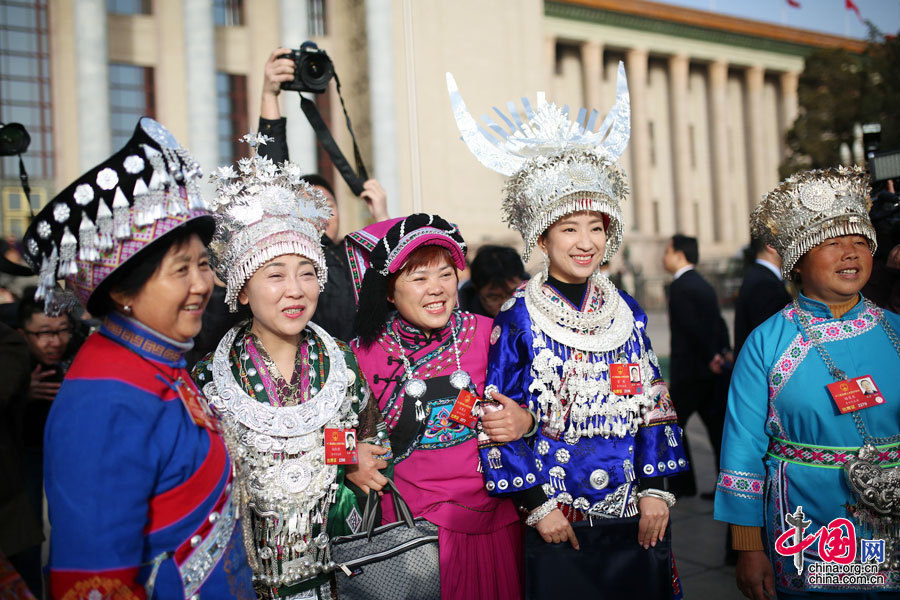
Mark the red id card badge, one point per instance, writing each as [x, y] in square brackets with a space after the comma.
[462, 412]
[340, 446]
[625, 379]
[855, 394]
[196, 405]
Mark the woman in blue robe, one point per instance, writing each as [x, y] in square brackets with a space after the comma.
[808, 479]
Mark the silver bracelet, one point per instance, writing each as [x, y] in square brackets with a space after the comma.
[540, 512]
[667, 497]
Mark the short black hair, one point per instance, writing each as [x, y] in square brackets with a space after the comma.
[131, 277]
[318, 180]
[688, 245]
[28, 306]
[495, 265]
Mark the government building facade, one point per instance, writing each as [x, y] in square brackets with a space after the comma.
[711, 98]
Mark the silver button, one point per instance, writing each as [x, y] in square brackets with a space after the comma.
[195, 541]
[213, 517]
[599, 479]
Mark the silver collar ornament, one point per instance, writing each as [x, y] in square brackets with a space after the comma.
[555, 166]
[285, 488]
[572, 354]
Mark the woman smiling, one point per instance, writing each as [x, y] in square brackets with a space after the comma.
[280, 383]
[138, 477]
[420, 355]
[814, 404]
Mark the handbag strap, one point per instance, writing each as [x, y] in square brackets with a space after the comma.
[401, 508]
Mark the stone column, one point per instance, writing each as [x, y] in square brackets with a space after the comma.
[636, 65]
[301, 138]
[92, 67]
[550, 64]
[382, 100]
[723, 192]
[755, 136]
[200, 77]
[592, 72]
[681, 149]
[789, 103]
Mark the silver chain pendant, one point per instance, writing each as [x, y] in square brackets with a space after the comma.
[415, 387]
[460, 380]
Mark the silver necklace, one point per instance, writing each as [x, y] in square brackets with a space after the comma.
[416, 387]
[840, 375]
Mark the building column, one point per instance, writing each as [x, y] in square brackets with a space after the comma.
[592, 73]
[301, 138]
[382, 100]
[92, 66]
[636, 65]
[200, 78]
[550, 64]
[755, 137]
[789, 104]
[723, 193]
[681, 148]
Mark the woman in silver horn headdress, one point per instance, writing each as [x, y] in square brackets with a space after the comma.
[280, 383]
[590, 472]
[808, 478]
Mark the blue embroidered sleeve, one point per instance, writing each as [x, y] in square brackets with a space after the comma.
[510, 467]
[739, 490]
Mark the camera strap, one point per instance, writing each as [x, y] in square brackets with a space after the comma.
[354, 179]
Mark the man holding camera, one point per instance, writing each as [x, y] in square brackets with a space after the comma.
[336, 304]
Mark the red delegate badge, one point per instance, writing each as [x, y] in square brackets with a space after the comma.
[625, 379]
[196, 405]
[463, 409]
[340, 446]
[855, 394]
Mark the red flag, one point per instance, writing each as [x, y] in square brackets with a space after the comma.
[794, 3]
[850, 5]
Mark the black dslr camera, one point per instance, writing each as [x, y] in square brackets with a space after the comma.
[312, 69]
[14, 139]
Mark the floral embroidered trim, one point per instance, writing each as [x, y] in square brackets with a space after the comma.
[825, 331]
[828, 457]
[741, 484]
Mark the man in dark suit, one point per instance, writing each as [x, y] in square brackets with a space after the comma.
[700, 357]
[762, 292]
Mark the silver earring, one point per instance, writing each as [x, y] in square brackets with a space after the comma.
[546, 260]
[127, 309]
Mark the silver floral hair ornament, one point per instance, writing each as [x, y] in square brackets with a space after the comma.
[809, 207]
[555, 166]
[263, 211]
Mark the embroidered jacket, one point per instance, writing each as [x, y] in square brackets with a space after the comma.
[785, 442]
[436, 460]
[140, 496]
[593, 445]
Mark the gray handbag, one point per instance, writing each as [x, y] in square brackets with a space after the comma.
[399, 560]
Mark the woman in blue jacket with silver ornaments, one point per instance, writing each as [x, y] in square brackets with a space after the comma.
[566, 347]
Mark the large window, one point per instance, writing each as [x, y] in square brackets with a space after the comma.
[231, 94]
[25, 84]
[130, 98]
[128, 7]
[228, 12]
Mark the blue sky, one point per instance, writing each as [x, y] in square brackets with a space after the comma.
[828, 16]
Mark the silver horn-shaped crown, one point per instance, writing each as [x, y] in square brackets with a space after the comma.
[555, 166]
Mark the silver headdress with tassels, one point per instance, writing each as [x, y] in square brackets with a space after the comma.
[809, 207]
[555, 166]
[263, 211]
